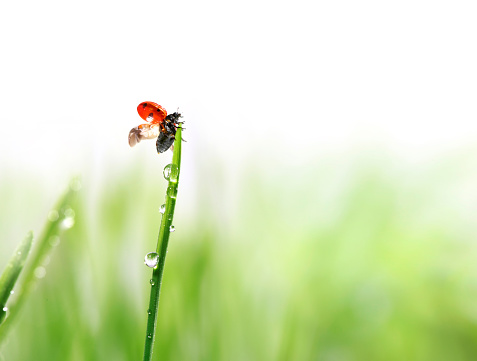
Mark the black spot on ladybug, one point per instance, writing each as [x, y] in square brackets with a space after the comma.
[151, 115]
[144, 105]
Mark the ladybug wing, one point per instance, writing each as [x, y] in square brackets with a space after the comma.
[141, 132]
[152, 112]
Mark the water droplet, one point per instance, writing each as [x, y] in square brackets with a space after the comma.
[162, 208]
[149, 312]
[151, 259]
[68, 222]
[69, 213]
[174, 173]
[171, 172]
[151, 281]
[5, 309]
[75, 185]
[53, 215]
[172, 192]
[12, 292]
[172, 229]
[167, 171]
[54, 240]
[149, 336]
[40, 272]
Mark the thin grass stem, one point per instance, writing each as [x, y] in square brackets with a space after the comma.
[172, 175]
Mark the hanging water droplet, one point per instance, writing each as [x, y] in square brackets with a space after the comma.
[172, 229]
[12, 292]
[171, 172]
[162, 208]
[5, 309]
[151, 259]
[54, 240]
[40, 272]
[53, 215]
[167, 171]
[172, 192]
[151, 281]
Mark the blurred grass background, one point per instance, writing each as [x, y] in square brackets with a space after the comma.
[354, 257]
[291, 242]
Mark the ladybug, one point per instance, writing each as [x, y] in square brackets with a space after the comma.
[166, 138]
[159, 125]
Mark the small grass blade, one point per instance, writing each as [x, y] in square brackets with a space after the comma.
[59, 219]
[12, 271]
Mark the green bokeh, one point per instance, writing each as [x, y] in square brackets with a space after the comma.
[369, 261]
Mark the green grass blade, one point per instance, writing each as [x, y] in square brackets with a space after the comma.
[59, 219]
[162, 242]
[12, 271]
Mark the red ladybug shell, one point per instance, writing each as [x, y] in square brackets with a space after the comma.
[151, 112]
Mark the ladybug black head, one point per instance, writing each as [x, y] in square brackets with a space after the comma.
[174, 117]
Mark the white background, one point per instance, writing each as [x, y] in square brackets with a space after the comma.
[271, 78]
